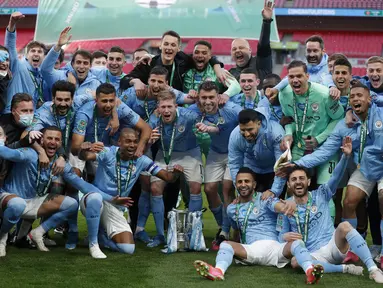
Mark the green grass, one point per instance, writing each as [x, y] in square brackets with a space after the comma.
[146, 268]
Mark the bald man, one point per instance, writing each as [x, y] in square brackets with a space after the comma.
[241, 51]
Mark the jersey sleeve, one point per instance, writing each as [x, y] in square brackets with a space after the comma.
[126, 113]
[284, 227]
[236, 155]
[150, 166]
[81, 122]
[103, 155]
[18, 155]
[37, 123]
[231, 214]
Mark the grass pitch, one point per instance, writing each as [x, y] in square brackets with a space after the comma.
[148, 267]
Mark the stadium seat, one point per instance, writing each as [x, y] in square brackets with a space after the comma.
[19, 3]
[350, 4]
[352, 44]
[129, 45]
[24, 36]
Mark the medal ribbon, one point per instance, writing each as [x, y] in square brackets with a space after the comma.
[302, 128]
[38, 87]
[307, 218]
[118, 173]
[67, 124]
[168, 155]
[255, 102]
[95, 121]
[172, 74]
[363, 136]
[146, 107]
[257, 198]
[38, 180]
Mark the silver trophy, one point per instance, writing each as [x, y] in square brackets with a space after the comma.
[183, 229]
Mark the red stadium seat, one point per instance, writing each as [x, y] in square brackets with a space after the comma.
[24, 36]
[350, 4]
[19, 3]
[129, 45]
[352, 44]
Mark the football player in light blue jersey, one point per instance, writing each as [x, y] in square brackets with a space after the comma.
[313, 222]
[272, 104]
[117, 172]
[173, 127]
[250, 96]
[254, 222]
[91, 124]
[113, 74]
[255, 143]
[30, 184]
[77, 71]
[374, 78]
[157, 82]
[218, 123]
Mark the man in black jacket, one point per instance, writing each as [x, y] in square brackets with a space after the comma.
[241, 51]
[174, 60]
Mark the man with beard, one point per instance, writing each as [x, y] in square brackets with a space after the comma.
[146, 104]
[99, 59]
[312, 220]
[315, 115]
[26, 191]
[254, 221]
[250, 96]
[316, 66]
[117, 172]
[272, 104]
[138, 54]
[26, 74]
[255, 144]
[218, 123]
[78, 70]
[176, 62]
[112, 73]
[364, 134]
[241, 51]
[91, 123]
[178, 146]
[203, 71]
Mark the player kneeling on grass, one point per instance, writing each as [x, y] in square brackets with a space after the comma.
[117, 172]
[255, 222]
[25, 193]
[312, 221]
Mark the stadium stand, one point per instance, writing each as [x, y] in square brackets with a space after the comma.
[19, 3]
[129, 45]
[347, 4]
[352, 44]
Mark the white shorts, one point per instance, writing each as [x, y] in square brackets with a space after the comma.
[358, 180]
[217, 168]
[329, 253]
[33, 205]
[190, 161]
[111, 218]
[76, 162]
[266, 253]
[351, 167]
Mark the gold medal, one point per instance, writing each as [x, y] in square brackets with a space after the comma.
[358, 166]
[299, 145]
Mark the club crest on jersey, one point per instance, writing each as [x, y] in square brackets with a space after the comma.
[378, 124]
[81, 126]
[181, 128]
[221, 120]
[255, 210]
[314, 209]
[88, 91]
[315, 107]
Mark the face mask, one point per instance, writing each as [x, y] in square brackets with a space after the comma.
[26, 119]
[3, 74]
[2, 142]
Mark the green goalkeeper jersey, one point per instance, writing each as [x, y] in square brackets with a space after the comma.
[322, 114]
